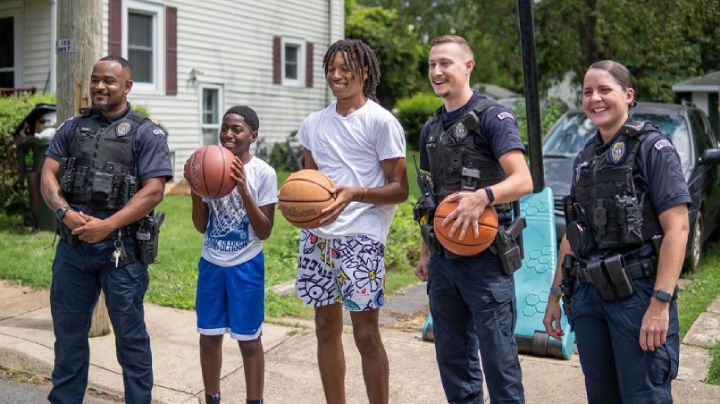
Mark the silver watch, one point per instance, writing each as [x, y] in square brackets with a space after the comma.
[556, 290]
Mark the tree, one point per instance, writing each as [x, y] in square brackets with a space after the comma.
[661, 42]
[398, 51]
[80, 21]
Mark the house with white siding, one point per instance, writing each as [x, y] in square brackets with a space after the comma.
[193, 59]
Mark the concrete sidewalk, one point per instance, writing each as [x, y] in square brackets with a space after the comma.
[292, 376]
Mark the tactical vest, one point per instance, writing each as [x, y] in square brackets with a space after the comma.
[615, 207]
[101, 170]
[455, 162]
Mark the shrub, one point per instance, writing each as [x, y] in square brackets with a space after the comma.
[549, 113]
[413, 112]
[14, 196]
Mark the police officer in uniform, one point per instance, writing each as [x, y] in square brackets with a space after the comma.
[623, 250]
[105, 173]
[473, 151]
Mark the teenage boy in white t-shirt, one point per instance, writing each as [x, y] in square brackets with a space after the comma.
[361, 147]
[231, 278]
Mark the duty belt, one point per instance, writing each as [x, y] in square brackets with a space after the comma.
[636, 268]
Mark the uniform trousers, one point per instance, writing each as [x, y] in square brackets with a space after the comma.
[473, 307]
[74, 292]
[608, 333]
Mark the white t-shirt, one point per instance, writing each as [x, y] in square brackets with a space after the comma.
[229, 238]
[349, 149]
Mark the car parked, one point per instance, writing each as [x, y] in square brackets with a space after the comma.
[687, 127]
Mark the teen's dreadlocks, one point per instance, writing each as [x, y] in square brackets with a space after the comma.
[358, 55]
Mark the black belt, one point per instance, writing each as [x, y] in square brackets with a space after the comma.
[127, 260]
[636, 268]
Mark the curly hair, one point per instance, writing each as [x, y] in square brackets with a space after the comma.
[358, 55]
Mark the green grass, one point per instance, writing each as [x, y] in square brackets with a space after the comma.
[702, 291]
[697, 296]
[713, 376]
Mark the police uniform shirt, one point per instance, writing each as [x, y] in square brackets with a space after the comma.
[497, 125]
[150, 147]
[657, 164]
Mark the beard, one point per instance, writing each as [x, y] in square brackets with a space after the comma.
[104, 106]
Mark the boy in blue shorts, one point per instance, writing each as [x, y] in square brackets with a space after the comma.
[231, 278]
[361, 147]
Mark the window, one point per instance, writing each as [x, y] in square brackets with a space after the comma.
[210, 115]
[143, 43]
[9, 43]
[292, 62]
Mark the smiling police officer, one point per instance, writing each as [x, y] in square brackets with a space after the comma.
[473, 151]
[622, 253]
[105, 173]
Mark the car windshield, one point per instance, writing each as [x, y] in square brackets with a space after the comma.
[573, 130]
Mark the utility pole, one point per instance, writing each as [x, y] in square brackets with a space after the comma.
[79, 46]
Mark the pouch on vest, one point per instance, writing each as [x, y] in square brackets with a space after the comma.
[630, 219]
[103, 187]
[580, 238]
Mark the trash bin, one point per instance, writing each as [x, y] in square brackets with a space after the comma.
[31, 153]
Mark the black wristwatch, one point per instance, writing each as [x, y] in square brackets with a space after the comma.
[60, 213]
[490, 195]
[662, 295]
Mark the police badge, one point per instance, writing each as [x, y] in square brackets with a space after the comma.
[123, 129]
[617, 153]
[460, 131]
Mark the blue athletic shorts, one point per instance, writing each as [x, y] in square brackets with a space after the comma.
[347, 270]
[231, 299]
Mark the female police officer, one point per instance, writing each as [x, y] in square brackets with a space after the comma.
[627, 217]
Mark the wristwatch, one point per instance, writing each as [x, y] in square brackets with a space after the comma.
[662, 295]
[490, 195]
[556, 290]
[60, 213]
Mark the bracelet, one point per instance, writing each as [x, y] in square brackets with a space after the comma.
[490, 195]
[363, 194]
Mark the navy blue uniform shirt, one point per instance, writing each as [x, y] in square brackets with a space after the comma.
[150, 147]
[497, 125]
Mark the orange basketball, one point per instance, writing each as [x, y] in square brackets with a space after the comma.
[487, 228]
[208, 171]
[302, 197]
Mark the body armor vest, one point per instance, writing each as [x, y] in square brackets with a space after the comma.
[608, 200]
[101, 168]
[455, 162]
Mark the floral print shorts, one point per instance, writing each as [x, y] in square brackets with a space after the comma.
[347, 270]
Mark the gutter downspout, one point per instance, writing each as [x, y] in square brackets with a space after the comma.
[329, 41]
[53, 41]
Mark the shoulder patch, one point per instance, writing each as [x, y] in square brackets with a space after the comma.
[158, 132]
[663, 143]
[504, 115]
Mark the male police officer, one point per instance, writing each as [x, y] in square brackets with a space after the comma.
[473, 152]
[105, 173]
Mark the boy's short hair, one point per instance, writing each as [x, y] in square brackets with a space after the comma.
[248, 115]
